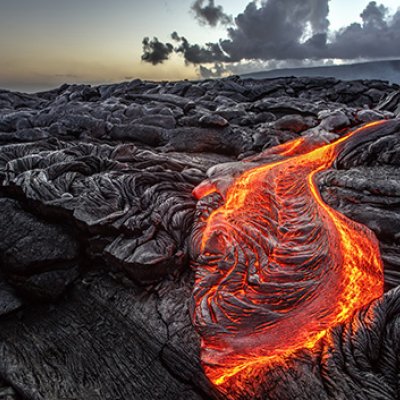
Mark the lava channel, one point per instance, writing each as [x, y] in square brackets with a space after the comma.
[276, 267]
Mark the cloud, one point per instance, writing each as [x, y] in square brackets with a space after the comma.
[195, 54]
[245, 67]
[274, 30]
[156, 52]
[282, 30]
[378, 36]
[213, 72]
[210, 14]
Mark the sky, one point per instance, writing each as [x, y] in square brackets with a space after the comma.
[45, 43]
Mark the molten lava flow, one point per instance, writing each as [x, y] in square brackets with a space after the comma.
[275, 266]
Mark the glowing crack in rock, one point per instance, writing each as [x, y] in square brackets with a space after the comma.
[275, 266]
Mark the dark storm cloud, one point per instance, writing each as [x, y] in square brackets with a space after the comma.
[156, 52]
[298, 30]
[195, 54]
[209, 13]
[270, 31]
[275, 30]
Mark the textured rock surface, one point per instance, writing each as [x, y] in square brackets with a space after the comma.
[96, 210]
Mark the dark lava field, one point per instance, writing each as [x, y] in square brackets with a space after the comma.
[97, 215]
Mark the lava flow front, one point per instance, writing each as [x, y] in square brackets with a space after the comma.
[275, 266]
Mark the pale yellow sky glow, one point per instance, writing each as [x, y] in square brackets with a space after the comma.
[34, 72]
[50, 43]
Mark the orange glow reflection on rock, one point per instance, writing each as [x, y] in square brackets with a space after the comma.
[275, 266]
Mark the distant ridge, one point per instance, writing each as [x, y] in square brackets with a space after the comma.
[388, 70]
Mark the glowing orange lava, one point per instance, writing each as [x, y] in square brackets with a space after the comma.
[275, 266]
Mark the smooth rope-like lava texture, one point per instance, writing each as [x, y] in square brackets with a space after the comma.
[276, 267]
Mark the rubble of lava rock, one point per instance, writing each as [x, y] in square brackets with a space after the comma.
[97, 211]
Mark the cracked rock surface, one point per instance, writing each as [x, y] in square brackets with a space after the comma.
[96, 210]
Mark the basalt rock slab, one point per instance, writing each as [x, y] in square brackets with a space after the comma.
[96, 208]
[9, 300]
[38, 258]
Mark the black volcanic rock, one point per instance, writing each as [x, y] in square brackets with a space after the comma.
[294, 123]
[38, 258]
[9, 300]
[213, 120]
[391, 103]
[96, 210]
